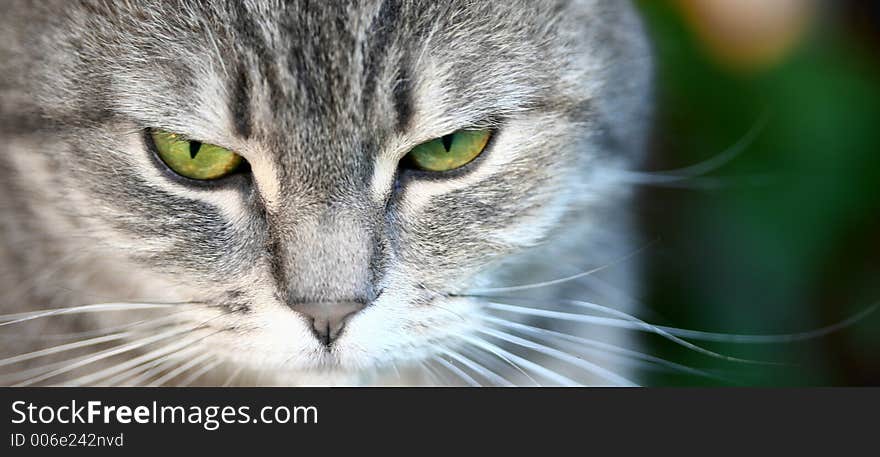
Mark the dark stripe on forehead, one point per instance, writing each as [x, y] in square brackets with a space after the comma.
[240, 103]
[402, 94]
[319, 57]
[251, 37]
[379, 40]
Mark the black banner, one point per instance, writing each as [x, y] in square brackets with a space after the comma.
[295, 421]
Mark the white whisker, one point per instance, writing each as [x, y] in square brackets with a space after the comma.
[38, 374]
[502, 358]
[661, 332]
[141, 359]
[435, 377]
[180, 370]
[630, 323]
[64, 347]
[258, 377]
[167, 349]
[138, 360]
[235, 374]
[526, 364]
[702, 168]
[537, 285]
[92, 333]
[770, 339]
[458, 372]
[198, 374]
[91, 358]
[103, 307]
[126, 364]
[459, 316]
[555, 353]
[396, 371]
[600, 347]
[490, 375]
[154, 323]
[135, 376]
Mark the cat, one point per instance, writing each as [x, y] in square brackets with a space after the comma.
[362, 192]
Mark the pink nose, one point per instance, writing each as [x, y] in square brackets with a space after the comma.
[328, 318]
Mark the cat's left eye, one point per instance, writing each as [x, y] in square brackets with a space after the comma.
[193, 159]
[449, 151]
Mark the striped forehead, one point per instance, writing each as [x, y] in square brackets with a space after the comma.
[323, 64]
[319, 85]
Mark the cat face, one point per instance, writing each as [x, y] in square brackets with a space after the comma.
[326, 248]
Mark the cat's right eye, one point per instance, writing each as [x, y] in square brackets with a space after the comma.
[193, 159]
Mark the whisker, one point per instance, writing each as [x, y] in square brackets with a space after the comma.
[631, 323]
[458, 372]
[527, 364]
[396, 370]
[145, 371]
[101, 356]
[503, 359]
[490, 375]
[179, 370]
[771, 339]
[443, 308]
[435, 377]
[64, 347]
[698, 335]
[42, 369]
[155, 323]
[54, 369]
[198, 374]
[48, 371]
[107, 297]
[235, 374]
[135, 361]
[126, 348]
[555, 353]
[696, 183]
[128, 378]
[168, 362]
[92, 333]
[477, 293]
[601, 347]
[258, 377]
[705, 167]
[103, 307]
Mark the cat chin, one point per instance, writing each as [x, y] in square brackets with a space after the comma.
[250, 376]
[317, 369]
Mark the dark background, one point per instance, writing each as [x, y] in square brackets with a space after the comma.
[786, 237]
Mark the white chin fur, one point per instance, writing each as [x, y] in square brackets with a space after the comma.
[389, 335]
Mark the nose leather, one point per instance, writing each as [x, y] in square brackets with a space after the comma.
[328, 318]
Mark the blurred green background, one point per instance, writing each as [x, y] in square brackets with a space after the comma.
[785, 238]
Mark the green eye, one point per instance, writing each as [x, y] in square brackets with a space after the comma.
[193, 159]
[451, 151]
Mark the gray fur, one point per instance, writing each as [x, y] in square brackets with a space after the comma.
[321, 98]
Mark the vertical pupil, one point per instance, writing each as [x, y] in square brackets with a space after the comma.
[194, 147]
[447, 141]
